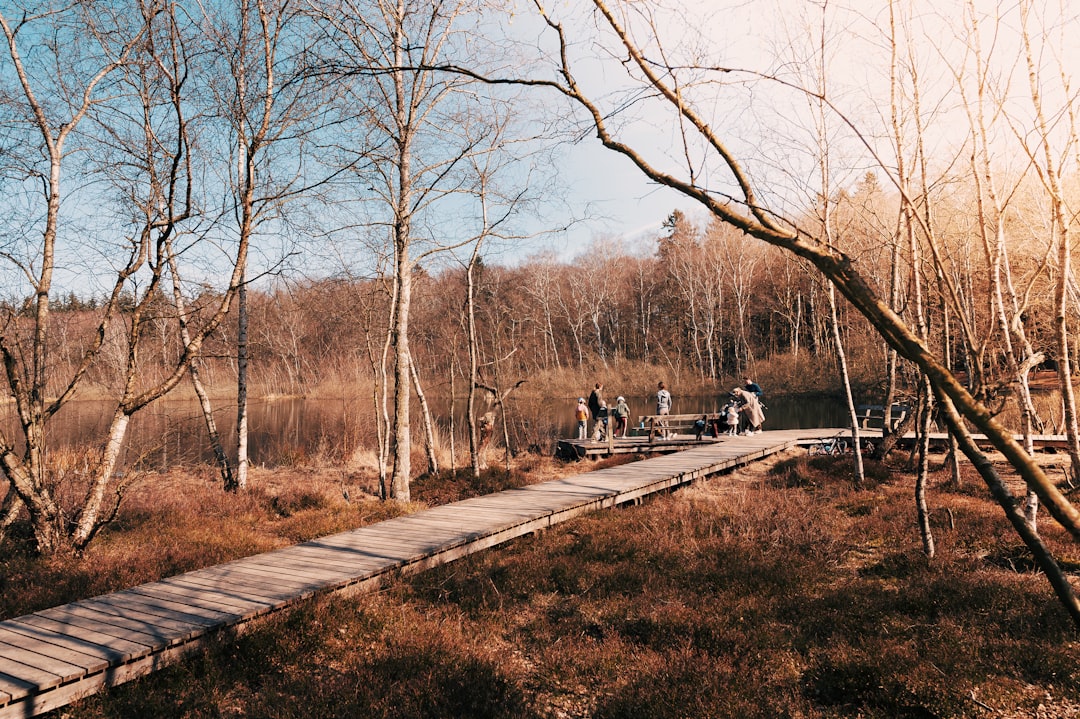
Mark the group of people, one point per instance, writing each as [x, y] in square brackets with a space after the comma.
[596, 408]
[744, 403]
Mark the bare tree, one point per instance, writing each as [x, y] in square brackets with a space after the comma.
[251, 32]
[1048, 166]
[117, 51]
[750, 213]
[421, 129]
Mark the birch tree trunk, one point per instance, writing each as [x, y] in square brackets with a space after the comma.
[474, 361]
[923, 469]
[453, 410]
[241, 477]
[402, 471]
[1049, 173]
[907, 225]
[845, 378]
[205, 406]
[826, 219]
[429, 425]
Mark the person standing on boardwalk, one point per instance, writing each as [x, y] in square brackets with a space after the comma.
[663, 407]
[581, 414]
[622, 414]
[754, 388]
[596, 401]
[750, 407]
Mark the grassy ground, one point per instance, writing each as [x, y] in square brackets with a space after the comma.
[780, 591]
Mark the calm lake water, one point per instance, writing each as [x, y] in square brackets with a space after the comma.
[292, 430]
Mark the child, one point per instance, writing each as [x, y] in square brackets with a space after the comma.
[582, 416]
[622, 414]
[731, 416]
[699, 426]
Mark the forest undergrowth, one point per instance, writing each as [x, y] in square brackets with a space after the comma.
[781, 590]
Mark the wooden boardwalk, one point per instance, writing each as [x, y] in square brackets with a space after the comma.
[53, 657]
[581, 448]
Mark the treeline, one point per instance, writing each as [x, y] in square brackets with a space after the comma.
[704, 301]
[705, 304]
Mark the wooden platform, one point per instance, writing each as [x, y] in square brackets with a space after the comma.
[53, 657]
[939, 441]
[581, 448]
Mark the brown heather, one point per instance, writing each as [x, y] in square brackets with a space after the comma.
[779, 591]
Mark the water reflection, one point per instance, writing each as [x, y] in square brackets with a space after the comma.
[174, 432]
[291, 431]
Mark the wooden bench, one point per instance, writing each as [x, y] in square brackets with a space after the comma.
[872, 416]
[653, 424]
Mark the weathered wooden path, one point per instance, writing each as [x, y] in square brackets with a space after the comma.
[51, 658]
[581, 448]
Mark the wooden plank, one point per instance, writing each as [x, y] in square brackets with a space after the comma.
[371, 550]
[168, 608]
[400, 539]
[334, 561]
[377, 545]
[181, 624]
[59, 670]
[37, 645]
[132, 625]
[301, 568]
[270, 567]
[25, 679]
[256, 589]
[201, 599]
[390, 550]
[80, 638]
[271, 575]
[421, 536]
[125, 628]
[293, 564]
[12, 687]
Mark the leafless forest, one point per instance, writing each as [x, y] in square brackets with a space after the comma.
[279, 197]
[699, 302]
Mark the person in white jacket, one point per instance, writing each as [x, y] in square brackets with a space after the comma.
[663, 407]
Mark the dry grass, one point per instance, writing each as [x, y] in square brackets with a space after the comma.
[779, 591]
[183, 520]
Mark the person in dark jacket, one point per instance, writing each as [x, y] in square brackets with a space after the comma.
[596, 402]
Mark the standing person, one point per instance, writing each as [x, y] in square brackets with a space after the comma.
[753, 387]
[596, 400]
[581, 414]
[663, 407]
[601, 417]
[751, 409]
[731, 417]
[622, 414]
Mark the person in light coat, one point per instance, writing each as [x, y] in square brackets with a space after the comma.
[750, 408]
